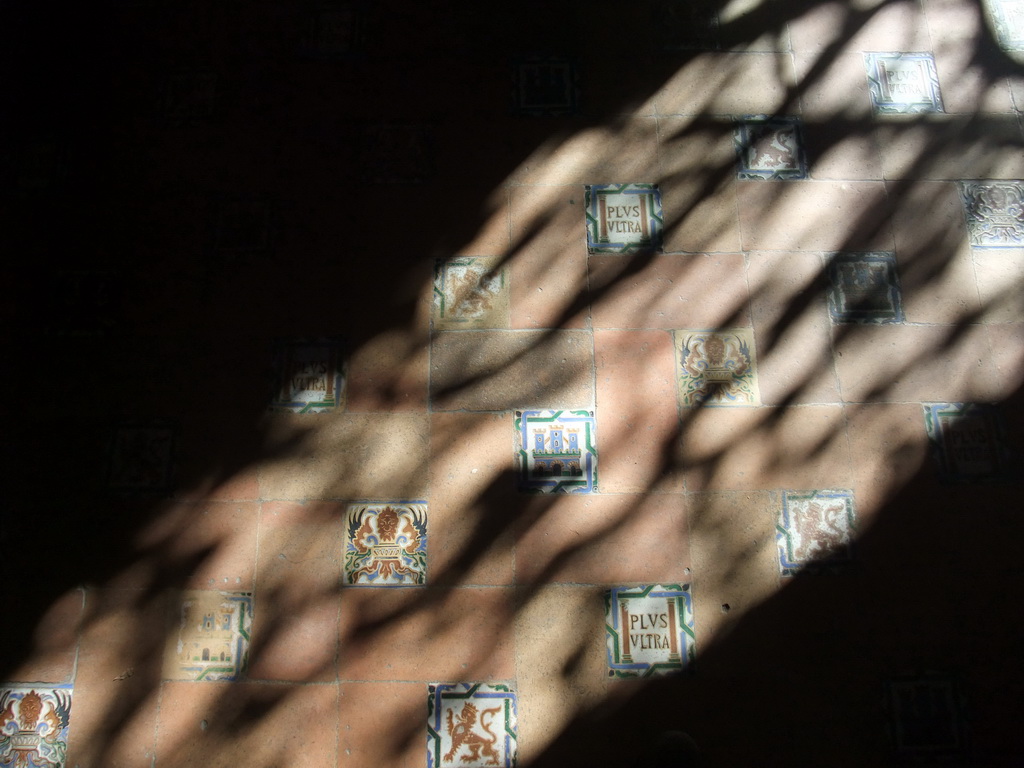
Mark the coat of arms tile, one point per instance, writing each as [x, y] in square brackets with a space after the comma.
[386, 544]
[211, 638]
[649, 630]
[471, 725]
[471, 292]
[34, 725]
[716, 368]
[556, 451]
[814, 528]
[770, 148]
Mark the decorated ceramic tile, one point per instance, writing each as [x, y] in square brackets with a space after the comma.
[398, 154]
[545, 86]
[471, 292]
[1007, 20]
[967, 442]
[684, 26]
[864, 288]
[386, 544]
[141, 458]
[903, 83]
[331, 30]
[623, 217]
[770, 148]
[556, 451]
[649, 630]
[189, 97]
[716, 368]
[309, 376]
[994, 212]
[34, 725]
[926, 716]
[210, 640]
[471, 725]
[814, 526]
[244, 226]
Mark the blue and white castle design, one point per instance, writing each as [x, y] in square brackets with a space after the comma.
[556, 451]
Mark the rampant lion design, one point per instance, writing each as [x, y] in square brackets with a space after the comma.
[463, 735]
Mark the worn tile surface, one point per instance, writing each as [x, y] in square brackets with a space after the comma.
[210, 636]
[309, 377]
[903, 83]
[34, 725]
[649, 630]
[471, 292]
[545, 86]
[967, 442]
[814, 526]
[623, 217]
[386, 544]
[556, 451]
[1007, 19]
[471, 724]
[994, 212]
[770, 148]
[864, 288]
[716, 368]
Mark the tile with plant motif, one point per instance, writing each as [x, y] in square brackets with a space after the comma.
[716, 368]
[903, 83]
[995, 213]
[648, 630]
[770, 148]
[556, 451]
[34, 725]
[814, 528]
[623, 218]
[142, 458]
[471, 725]
[545, 86]
[309, 376]
[967, 442]
[864, 288]
[926, 717]
[471, 292]
[210, 638]
[386, 544]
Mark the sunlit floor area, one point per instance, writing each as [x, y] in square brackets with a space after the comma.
[435, 384]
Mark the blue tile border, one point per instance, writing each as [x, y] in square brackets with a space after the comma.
[649, 630]
[864, 288]
[796, 551]
[903, 83]
[967, 442]
[556, 451]
[472, 724]
[623, 218]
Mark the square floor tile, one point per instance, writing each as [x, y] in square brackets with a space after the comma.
[864, 288]
[331, 31]
[545, 86]
[684, 26]
[1007, 20]
[386, 543]
[770, 148]
[398, 154]
[623, 217]
[142, 458]
[716, 368]
[556, 451]
[309, 376]
[34, 725]
[994, 212]
[967, 442]
[814, 526]
[649, 630]
[471, 725]
[903, 83]
[926, 716]
[471, 292]
[211, 638]
[189, 97]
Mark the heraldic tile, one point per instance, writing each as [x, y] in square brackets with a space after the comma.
[34, 725]
[903, 83]
[994, 212]
[814, 526]
[770, 148]
[470, 292]
[309, 376]
[649, 630]
[556, 451]
[623, 218]
[471, 725]
[864, 288]
[210, 640]
[967, 442]
[386, 544]
[716, 368]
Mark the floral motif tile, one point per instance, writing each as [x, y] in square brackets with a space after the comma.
[210, 640]
[331, 30]
[716, 368]
[471, 292]
[142, 458]
[770, 148]
[967, 442]
[649, 630]
[309, 376]
[814, 528]
[864, 288]
[471, 725]
[994, 212]
[903, 83]
[622, 218]
[684, 26]
[34, 725]
[556, 451]
[926, 716]
[545, 86]
[189, 97]
[386, 544]
[398, 153]
[1007, 20]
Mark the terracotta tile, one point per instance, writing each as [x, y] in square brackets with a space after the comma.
[728, 83]
[366, 707]
[834, 89]
[953, 147]
[123, 635]
[752, 448]
[495, 371]
[953, 20]
[491, 236]
[548, 257]
[473, 503]
[1008, 356]
[298, 578]
[637, 415]
[388, 373]
[667, 291]
[966, 85]
[113, 724]
[606, 539]
[814, 215]
[916, 363]
[900, 27]
[1000, 275]
[53, 644]
[791, 326]
[431, 634]
[260, 725]
[847, 150]
[345, 456]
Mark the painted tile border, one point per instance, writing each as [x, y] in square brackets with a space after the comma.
[309, 376]
[724, 376]
[497, 746]
[864, 263]
[36, 735]
[233, 639]
[951, 448]
[747, 135]
[642, 216]
[630, 634]
[787, 532]
[385, 544]
[994, 213]
[882, 98]
[580, 430]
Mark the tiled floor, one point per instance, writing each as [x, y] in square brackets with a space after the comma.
[446, 384]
